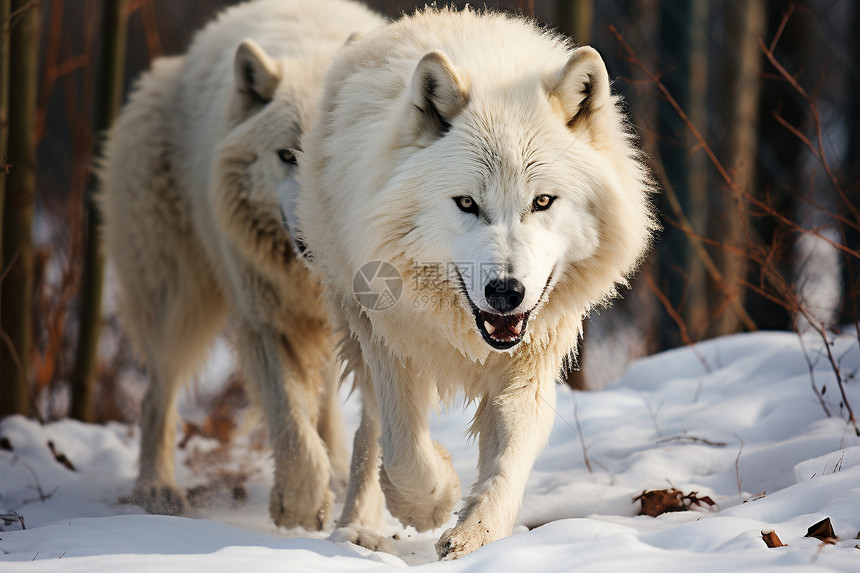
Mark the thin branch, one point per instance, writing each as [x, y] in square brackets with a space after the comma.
[17, 14]
[816, 118]
[738, 467]
[818, 394]
[636, 61]
[796, 132]
[685, 225]
[631, 56]
[13, 517]
[834, 365]
[694, 439]
[679, 320]
[781, 27]
[581, 439]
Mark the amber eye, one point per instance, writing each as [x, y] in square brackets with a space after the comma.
[542, 202]
[287, 156]
[466, 204]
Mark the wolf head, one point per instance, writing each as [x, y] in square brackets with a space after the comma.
[520, 186]
[488, 156]
[271, 104]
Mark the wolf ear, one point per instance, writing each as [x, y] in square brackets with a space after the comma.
[438, 93]
[257, 74]
[582, 87]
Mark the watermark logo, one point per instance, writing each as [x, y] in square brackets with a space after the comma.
[377, 285]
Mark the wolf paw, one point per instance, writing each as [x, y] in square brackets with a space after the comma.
[306, 505]
[424, 511]
[462, 540]
[360, 536]
[159, 498]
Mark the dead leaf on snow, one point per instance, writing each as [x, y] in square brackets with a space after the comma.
[771, 539]
[660, 501]
[822, 530]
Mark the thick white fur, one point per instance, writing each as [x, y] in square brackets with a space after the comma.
[444, 104]
[194, 230]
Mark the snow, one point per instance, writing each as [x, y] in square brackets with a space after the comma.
[735, 419]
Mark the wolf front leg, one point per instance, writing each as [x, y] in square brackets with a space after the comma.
[330, 425]
[364, 507]
[419, 481]
[513, 426]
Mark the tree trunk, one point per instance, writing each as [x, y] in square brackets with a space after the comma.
[851, 265]
[674, 249]
[696, 307]
[744, 24]
[575, 18]
[16, 290]
[779, 176]
[109, 99]
[644, 308]
[5, 10]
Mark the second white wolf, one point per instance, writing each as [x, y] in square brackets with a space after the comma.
[193, 227]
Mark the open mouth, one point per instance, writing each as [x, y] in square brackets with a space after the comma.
[501, 331]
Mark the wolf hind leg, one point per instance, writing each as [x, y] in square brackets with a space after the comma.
[155, 489]
[173, 344]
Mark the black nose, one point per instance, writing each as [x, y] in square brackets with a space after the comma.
[504, 295]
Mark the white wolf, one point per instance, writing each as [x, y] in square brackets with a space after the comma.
[193, 227]
[488, 162]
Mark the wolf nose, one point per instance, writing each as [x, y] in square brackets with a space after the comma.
[504, 295]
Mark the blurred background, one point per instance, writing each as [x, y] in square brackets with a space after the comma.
[745, 109]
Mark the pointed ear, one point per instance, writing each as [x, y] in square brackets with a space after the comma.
[257, 75]
[582, 87]
[438, 93]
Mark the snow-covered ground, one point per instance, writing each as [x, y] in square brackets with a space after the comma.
[735, 419]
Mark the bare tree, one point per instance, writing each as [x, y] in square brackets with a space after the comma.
[16, 288]
[109, 99]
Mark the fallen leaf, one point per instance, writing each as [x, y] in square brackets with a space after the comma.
[658, 502]
[771, 539]
[822, 530]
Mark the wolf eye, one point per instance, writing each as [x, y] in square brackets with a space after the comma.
[287, 156]
[466, 204]
[542, 202]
